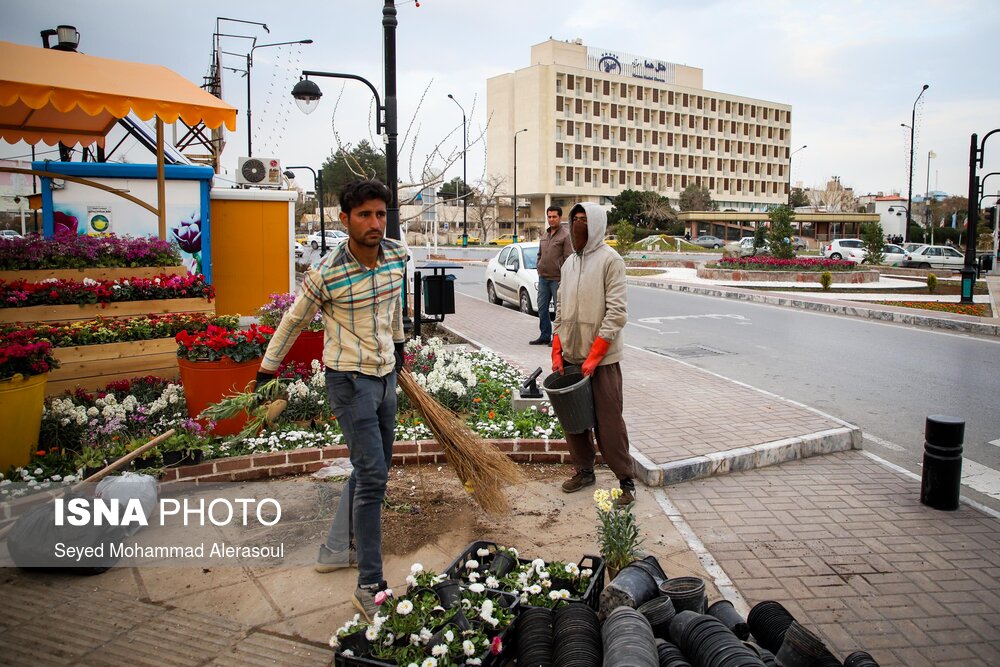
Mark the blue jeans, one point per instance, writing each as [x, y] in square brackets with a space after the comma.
[547, 291]
[365, 407]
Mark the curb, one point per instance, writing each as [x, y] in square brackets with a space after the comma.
[888, 314]
[747, 458]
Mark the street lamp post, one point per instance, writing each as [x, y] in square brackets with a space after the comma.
[909, 200]
[249, 65]
[465, 195]
[927, 196]
[318, 181]
[790, 173]
[515, 180]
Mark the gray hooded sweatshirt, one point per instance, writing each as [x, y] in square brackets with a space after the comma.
[592, 294]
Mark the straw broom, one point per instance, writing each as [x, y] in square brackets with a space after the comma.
[482, 468]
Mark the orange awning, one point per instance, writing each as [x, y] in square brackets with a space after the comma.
[52, 96]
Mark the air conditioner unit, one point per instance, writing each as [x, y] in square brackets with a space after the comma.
[263, 172]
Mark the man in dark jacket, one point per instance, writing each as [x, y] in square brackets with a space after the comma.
[553, 249]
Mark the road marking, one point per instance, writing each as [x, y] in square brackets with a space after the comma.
[981, 478]
[712, 567]
[642, 326]
[709, 316]
[995, 443]
[884, 443]
[912, 475]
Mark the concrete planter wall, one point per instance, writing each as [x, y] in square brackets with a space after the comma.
[741, 275]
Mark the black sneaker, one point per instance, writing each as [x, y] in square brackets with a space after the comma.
[540, 341]
[578, 481]
[331, 561]
[628, 493]
[364, 598]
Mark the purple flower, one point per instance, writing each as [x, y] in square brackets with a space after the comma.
[65, 223]
[188, 233]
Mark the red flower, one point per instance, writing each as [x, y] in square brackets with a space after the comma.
[496, 646]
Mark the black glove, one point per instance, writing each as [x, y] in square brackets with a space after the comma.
[262, 378]
[400, 357]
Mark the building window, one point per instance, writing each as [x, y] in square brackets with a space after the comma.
[569, 174]
[719, 125]
[638, 136]
[684, 103]
[670, 97]
[579, 106]
[684, 182]
[739, 113]
[596, 153]
[684, 141]
[604, 176]
[751, 185]
[597, 108]
[638, 178]
[718, 164]
[569, 128]
[756, 167]
[670, 180]
[628, 156]
[586, 175]
[732, 127]
[590, 84]
[704, 164]
[690, 162]
[677, 161]
[559, 103]
[645, 157]
[729, 108]
[607, 88]
[645, 115]
[739, 185]
[697, 143]
[753, 149]
[656, 138]
[704, 123]
[662, 159]
[670, 138]
[714, 101]
[588, 130]
[559, 150]
[711, 183]
[621, 134]
[691, 121]
[614, 155]
[569, 84]
[621, 176]
[638, 93]
[663, 118]
[623, 90]
[614, 111]
[711, 145]
[656, 95]
[606, 130]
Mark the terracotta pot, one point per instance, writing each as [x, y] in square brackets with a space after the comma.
[208, 382]
[308, 346]
[21, 401]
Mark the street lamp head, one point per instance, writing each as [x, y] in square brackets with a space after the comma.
[926, 86]
[451, 96]
[307, 95]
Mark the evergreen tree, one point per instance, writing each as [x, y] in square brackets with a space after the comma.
[874, 239]
[780, 233]
[696, 198]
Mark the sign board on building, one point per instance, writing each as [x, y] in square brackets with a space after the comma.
[627, 64]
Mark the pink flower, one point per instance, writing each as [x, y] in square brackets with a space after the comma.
[496, 646]
[382, 596]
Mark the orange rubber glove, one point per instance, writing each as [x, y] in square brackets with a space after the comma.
[557, 360]
[597, 352]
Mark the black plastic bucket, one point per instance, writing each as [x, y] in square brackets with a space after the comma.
[571, 398]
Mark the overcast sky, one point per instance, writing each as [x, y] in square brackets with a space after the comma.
[850, 69]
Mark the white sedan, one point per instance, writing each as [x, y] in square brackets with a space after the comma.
[936, 257]
[512, 277]
[333, 237]
[892, 254]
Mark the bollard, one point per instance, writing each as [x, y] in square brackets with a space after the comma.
[942, 474]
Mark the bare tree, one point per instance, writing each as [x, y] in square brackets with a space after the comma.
[834, 198]
[484, 202]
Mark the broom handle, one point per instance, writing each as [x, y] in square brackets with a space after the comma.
[123, 461]
[97, 476]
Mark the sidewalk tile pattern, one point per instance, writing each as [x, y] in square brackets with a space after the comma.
[846, 546]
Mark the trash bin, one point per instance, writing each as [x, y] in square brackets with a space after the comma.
[439, 294]
[985, 263]
[572, 399]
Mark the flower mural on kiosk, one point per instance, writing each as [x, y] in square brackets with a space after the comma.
[187, 234]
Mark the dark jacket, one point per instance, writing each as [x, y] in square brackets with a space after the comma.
[553, 249]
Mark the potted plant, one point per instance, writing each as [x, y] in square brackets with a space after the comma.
[24, 366]
[216, 363]
[186, 446]
[617, 531]
[90, 460]
[309, 344]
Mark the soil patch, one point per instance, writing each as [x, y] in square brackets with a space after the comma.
[426, 501]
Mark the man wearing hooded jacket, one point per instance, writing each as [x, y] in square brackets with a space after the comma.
[590, 316]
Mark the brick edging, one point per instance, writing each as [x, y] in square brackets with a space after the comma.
[266, 465]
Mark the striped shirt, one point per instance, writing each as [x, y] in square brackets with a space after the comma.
[362, 311]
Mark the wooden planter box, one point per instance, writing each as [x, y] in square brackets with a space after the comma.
[37, 275]
[94, 366]
[91, 310]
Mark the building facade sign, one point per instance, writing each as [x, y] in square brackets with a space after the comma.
[626, 64]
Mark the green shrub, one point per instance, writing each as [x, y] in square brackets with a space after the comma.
[825, 280]
[932, 282]
[874, 238]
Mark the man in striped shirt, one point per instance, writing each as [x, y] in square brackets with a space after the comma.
[358, 287]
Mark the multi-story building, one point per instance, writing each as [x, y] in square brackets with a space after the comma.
[598, 122]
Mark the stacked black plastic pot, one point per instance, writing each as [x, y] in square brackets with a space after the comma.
[535, 642]
[628, 640]
[706, 642]
[768, 622]
[577, 635]
[860, 659]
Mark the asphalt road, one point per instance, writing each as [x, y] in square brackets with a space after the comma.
[884, 378]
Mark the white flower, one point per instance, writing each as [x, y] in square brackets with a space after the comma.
[415, 639]
[586, 572]
[449, 636]
[38, 471]
[492, 582]
[477, 588]
[429, 662]
[534, 589]
[411, 580]
[483, 553]
[470, 565]
[371, 634]
[347, 653]
[425, 635]
[334, 642]
[538, 564]
[404, 607]
[473, 576]
[474, 662]
[468, 648]
[416, 568]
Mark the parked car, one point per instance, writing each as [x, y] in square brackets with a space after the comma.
[799, 243]
[611, 240]
[708, 241]
[837, 249]
[910, 247]
[9, 234]
[893, 255]
[512, 277]
[935, 257]
[503, 239]
[745, 247]
[333, 236]
[300, 250]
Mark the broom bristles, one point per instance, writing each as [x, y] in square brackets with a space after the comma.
[478, 464]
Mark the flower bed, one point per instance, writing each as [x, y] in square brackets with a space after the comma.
[768, 263]
[840, 276]
[56, 292]
[79, 251]
[478, 383]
